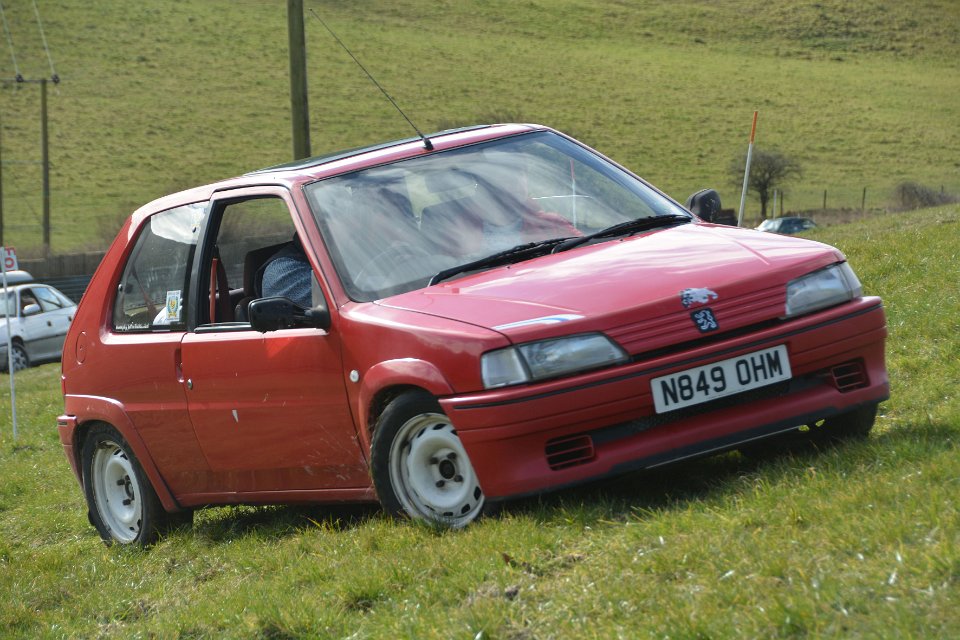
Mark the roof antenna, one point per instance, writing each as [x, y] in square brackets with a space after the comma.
[426, 141]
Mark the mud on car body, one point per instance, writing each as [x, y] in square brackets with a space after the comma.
[504, 313]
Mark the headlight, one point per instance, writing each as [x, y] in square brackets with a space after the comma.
[536, 361]
[820, 289]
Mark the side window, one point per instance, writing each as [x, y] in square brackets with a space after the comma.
[153, 291]
[248, 225]
[49, 300]
[27, 298]
[252, 232]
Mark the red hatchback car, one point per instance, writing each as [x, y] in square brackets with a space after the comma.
[440, 326]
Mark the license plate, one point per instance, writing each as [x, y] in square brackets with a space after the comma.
[719, 379]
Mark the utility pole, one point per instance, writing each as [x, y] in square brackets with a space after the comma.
[45, 159]
[18, 79]
[1, 185]
[298, 80]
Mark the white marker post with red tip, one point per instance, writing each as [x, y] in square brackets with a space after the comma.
[8, 262]
[746, 171]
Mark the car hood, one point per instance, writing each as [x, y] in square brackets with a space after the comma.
[633, 288]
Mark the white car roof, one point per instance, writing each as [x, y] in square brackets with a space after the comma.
[18, 276]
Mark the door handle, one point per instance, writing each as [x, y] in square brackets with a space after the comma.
[178, 366]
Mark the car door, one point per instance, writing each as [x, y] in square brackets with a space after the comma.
[35, 327]
[269, 409]
[57, 313]
[140, 346]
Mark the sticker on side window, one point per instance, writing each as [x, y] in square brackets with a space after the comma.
[173, 306]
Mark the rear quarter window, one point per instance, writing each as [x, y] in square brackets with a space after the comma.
[152, 294]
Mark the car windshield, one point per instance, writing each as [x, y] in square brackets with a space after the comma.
[390, 229]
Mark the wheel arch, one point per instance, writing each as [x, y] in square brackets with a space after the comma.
[109, 412]
[386, 381]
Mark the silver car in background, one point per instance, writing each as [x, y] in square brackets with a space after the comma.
[39, 316]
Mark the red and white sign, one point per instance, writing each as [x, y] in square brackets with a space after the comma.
[9, 258]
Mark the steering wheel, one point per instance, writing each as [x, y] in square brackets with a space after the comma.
[389, 261]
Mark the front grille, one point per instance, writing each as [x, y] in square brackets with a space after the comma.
[849, 376]
[674, 330]
[569, 451]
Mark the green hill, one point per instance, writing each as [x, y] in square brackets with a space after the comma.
[161, 95]
[854, 541]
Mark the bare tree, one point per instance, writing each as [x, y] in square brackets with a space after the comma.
[768, 170]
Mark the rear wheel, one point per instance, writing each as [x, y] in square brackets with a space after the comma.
[122, 504]
[419, 465]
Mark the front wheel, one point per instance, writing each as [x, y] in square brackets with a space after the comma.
[21, 360]
[419, 465]
[122, 504]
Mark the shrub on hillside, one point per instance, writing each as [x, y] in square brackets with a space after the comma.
[912, 195]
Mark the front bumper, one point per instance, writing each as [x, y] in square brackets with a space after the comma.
[533, 438]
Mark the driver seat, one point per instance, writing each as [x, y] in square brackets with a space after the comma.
[253, 263]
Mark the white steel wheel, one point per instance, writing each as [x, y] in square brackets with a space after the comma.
[116, 492]
[420, 467]
[121, 502]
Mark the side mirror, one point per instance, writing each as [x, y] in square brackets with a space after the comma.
[272, 314]
[704, 204]
[31, 309]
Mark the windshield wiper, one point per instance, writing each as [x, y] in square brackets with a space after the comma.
[624, 228]
[509, 256]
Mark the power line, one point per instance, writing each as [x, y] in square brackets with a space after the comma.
[53, 72]
[13, 55]
[44, 121]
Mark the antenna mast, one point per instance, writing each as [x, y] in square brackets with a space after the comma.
[427, 144]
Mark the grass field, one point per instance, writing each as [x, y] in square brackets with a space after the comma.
[862, 540]
[166, 94]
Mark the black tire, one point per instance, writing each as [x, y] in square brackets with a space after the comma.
[122, 504]
[419, 466]
[21, 360]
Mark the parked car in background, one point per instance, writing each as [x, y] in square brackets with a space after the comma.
[787, 226]
[38, 316]
[442, 324]
[18, 276]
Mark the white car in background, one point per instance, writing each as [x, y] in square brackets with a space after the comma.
[39, 316]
